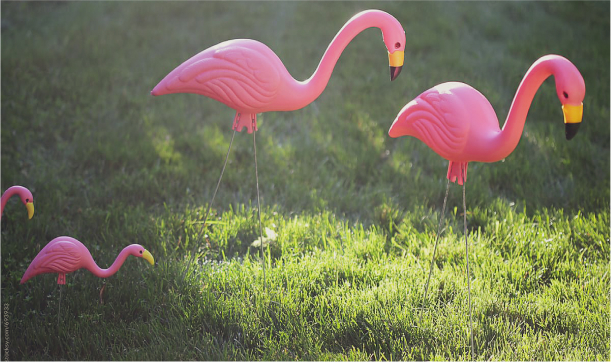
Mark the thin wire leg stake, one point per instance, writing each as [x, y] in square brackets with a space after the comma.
[254, 142]
[464, 205]
[443, 209]
[201, 231]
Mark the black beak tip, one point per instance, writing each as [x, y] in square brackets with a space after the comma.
[394, 72]
[570, 130]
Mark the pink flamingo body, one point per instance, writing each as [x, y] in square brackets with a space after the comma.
[460, 125]
[249, 77]
[24, 194]
[64, 255]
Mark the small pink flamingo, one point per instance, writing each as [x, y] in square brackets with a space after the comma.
[24, 194]
[248, 76]
[459, 124]
[64, 255]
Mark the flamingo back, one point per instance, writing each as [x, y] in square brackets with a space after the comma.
[243, 74]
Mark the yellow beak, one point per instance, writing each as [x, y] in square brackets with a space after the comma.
[572, 114]
[148, 257]
[30, 207]
[572, 119]
[395, 61]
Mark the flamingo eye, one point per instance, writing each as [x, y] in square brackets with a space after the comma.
[565, 94]
[27, 200]
[140, 251]
[397, 45]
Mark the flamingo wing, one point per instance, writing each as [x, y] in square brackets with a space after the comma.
[241, 76]
[58, 257]
[436, 117]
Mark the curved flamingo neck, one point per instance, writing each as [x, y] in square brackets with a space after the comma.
[8, 194]
[314, 86]
[105, 273]
[514, 125]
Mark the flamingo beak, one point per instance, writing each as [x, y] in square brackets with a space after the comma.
[30, 207]
[572, 119]
[395, 62]
[148, 257]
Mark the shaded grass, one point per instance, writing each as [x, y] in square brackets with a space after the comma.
[354, 212]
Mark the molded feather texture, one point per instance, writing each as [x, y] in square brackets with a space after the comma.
[61, 256]
[429, 118]
[245, 79]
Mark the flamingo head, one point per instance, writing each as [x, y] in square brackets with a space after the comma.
[396, 54]
[140, 252]
[392, 34]
[394, 40]
[571, 90]
[28, 201]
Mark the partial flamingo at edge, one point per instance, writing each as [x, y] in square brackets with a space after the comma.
[24, 194]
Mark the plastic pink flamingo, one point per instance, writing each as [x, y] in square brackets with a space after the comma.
[64, 255]
[24, 194]
[458, 123]
[249, 77]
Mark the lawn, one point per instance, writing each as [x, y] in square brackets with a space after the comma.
[349, 214]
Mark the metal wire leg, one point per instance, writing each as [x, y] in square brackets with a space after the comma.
[254, 141]
[464, 205]
[201, 231]
[59, 308]
[443, 209]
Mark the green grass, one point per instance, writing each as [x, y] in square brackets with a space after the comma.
[352, 213]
